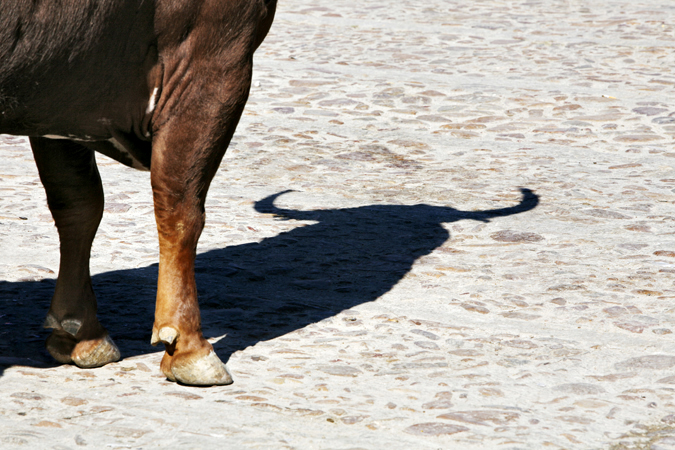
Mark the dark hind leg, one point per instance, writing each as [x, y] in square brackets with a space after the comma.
[75, 197]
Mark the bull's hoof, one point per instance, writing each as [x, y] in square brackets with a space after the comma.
[86, 354]
[95, 353]
[206, 370]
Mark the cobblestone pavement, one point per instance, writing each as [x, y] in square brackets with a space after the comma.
[379, 303]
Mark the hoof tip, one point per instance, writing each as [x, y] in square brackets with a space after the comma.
[206, 371]
[86, 354]
[105, 352]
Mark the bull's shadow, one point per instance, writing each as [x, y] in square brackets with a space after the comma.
[258, 291]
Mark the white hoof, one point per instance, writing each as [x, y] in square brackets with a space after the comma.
[206, 371]
[105, 352]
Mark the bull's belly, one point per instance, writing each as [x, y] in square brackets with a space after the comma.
[110, 127]
[133, 154]
[122, 147]
[120, 138]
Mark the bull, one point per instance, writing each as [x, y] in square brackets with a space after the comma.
[158, 85]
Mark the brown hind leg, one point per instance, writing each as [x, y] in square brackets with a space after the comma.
[206, 80]
[186, 152]
[75, 197]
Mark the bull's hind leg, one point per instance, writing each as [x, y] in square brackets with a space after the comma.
[75, 197]
[187, 150]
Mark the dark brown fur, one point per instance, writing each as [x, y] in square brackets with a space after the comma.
[86, 70]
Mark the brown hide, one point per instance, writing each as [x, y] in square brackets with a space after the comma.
[158, 85]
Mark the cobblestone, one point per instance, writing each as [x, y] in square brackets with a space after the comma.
[375, 304]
